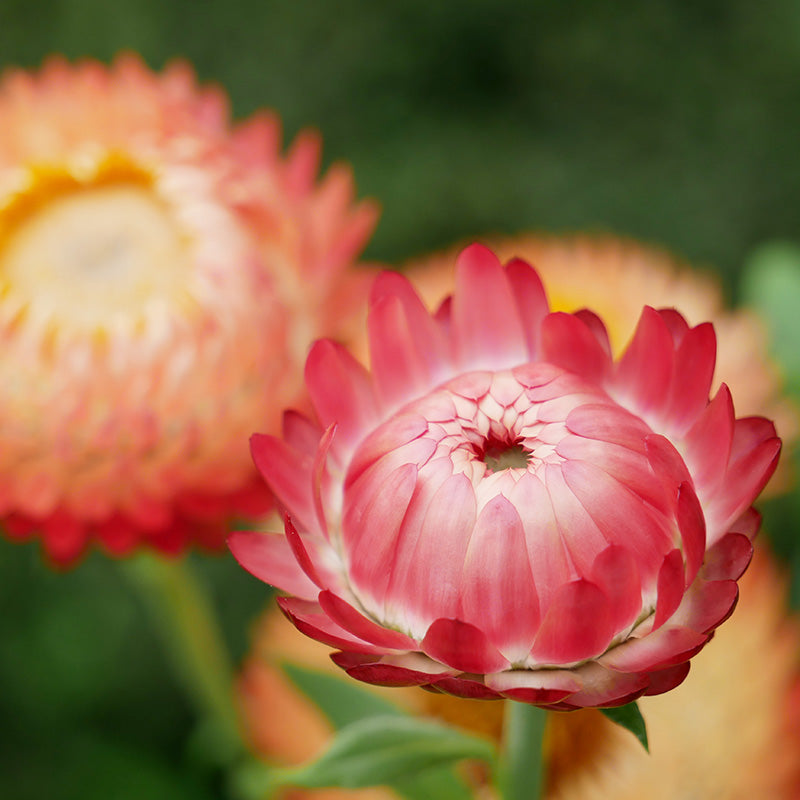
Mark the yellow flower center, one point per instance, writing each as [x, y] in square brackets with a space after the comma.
[85, 250]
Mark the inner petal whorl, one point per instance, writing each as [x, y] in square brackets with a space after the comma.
[480, 439]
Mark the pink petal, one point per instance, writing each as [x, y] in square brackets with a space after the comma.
[319, 476]
[386, 441]
[300, 553]
[548, 558]
[644, 371]
[597, 327]
[343, 614]
[309, 619]
[676, 324]
[270, 558]
[620, 515]
[288, 474]
[671, 587]
[567, 342]
[425, 571]
[694, 365]
[398, 360]
[579, 529]
[463, 687]
[577, 625]
[744, 480]
[426, 334]
[728, 558]
[373, 516]
[692, 526]
[462, 646]
[608, 423]
[340, 389]
[300, 433]
[662, 648]
[541, 686]
[707, 605]
[527, 288]
[630, 471]
[747, 524]
[384, 673]
[663, 680]
[487, 329]
[749, 433]
[665, 460]
[708, 443]
[615, 573]
[605, 687]
[498, 593]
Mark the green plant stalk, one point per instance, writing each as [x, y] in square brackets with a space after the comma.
[187, 625]
[521, 772]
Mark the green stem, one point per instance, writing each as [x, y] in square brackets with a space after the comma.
[186, 622]
[521, 768]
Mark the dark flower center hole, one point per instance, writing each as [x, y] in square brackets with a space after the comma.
[503, 455]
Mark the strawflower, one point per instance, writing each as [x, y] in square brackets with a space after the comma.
[163, 272]
[500, 509]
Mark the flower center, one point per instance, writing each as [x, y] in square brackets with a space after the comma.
[499, 456]
[82, 252]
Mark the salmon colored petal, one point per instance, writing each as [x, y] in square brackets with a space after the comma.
[484, 292]
[644, 372]
[531, 300]
[462, 646]
[568, 342]
[271, 559]
[309, 619]
[496, 556]
[577, 625]
[340, 389]
[343, 614]
[288, 474]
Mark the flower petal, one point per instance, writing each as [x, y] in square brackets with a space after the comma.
[269, 557]
[483, 292]
[577, 625]
[462, 646]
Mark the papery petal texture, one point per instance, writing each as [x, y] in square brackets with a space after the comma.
[522, 514]
[163, 272]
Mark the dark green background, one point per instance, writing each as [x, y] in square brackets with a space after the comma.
[675, 123]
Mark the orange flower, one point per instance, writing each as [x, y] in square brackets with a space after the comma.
[730, 731]
[162, 274]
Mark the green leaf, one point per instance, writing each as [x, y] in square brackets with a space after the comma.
[771, 285]
[385, 750]
[344, 702]
[629, 717]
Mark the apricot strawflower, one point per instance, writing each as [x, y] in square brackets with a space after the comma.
[162, 274]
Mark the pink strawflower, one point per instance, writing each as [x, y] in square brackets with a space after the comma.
[501, 509]
[162, 275]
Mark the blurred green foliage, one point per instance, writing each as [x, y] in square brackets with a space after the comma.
[669, 122]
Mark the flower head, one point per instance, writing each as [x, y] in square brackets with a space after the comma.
[162, 274]
[501, 509]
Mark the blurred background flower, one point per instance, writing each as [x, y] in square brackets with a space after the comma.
[673, 124]
[163, 274]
